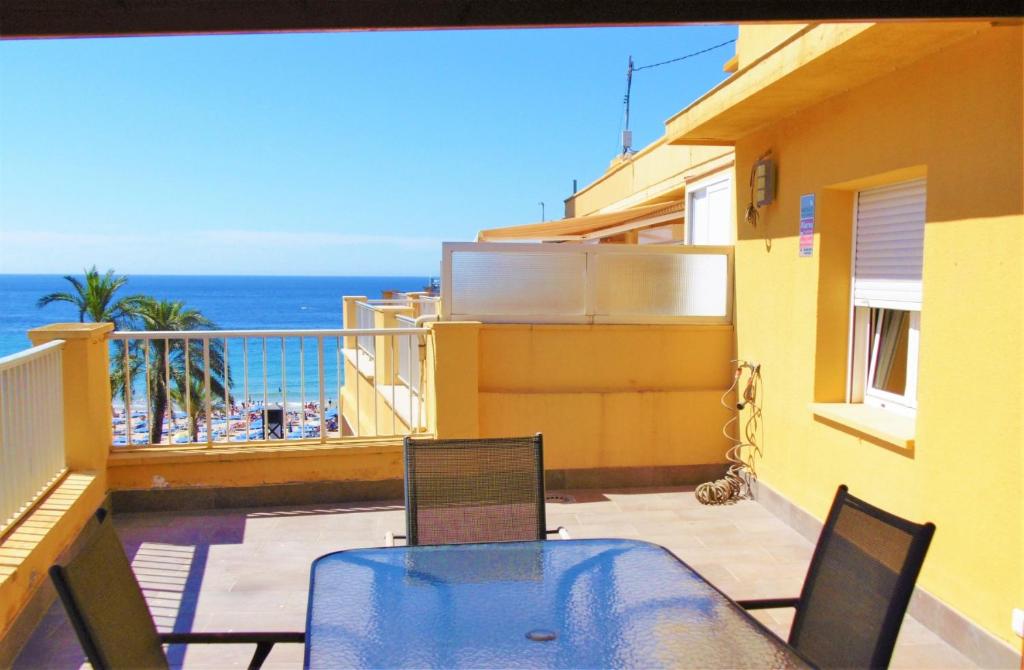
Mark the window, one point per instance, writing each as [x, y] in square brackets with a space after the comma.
[709, 211]
[888, 254]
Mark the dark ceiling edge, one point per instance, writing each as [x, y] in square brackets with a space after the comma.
[21, 19]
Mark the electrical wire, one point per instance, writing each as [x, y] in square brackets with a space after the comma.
[630, 69]
[690, 55]
[741, 473]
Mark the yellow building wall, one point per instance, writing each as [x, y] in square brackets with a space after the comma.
[367, 410]
[28, 551]
[372, 460]
[608, 396]
[655, 173]
[754, 41]
[955, 117]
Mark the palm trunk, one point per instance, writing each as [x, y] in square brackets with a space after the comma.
[160, 398]
[156, 428]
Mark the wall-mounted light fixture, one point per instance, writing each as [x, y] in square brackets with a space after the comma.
[762, 186]
[764, 182]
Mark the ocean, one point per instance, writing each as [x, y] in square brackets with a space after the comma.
[231, 302]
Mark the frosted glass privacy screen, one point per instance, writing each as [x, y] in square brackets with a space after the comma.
[663, 285]
[518, 283]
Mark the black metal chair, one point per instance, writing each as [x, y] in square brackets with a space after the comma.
[110, 615]
[474, 490]
[858, 586]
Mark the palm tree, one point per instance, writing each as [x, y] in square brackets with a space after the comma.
[95, 298]
[195, 403]
[167, 362]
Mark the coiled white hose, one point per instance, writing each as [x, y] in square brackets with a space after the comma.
[736, 484]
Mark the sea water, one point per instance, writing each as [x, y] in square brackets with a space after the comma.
[232, 303]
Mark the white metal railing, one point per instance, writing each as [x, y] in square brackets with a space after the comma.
[366, 319]
[410, 358]
[31, 428]
[225, 387]
[429, 304]
[583, 283]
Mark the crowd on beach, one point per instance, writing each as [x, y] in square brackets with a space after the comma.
[244, 422]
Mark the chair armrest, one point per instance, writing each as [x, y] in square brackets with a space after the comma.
[264, 641]
[768, 603]
[389, 538]
[231, 638]
[562, 533]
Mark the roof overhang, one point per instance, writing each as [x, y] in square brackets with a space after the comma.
[96, 18]
[817, 63]
[583, 228]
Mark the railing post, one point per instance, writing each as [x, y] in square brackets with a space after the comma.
[386, 366]
[453, 379]
[86, 376]
[349, 317]
[414, 301]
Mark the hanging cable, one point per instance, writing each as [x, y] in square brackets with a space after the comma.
[690, 55]
[742, 455]
[626, 133]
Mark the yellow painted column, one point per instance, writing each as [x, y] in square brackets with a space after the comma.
[453, 364]
[414, 301]
[86, 376]
[348, 316]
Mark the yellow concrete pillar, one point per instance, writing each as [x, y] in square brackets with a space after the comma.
[348, 316]
[414, 301]
[453, 364]
[86, 375]
[386, 346]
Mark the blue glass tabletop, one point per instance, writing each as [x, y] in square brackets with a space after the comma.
[555, 604]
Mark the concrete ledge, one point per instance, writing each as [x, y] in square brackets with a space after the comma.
[958, 631]
[661, 475]
[264, 495]
[230, 468]
[51, 531]
[320, 492]
[875, 422]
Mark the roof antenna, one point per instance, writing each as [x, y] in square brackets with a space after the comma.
[627, 134]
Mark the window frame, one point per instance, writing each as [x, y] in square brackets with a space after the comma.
[702, 184]
[860, 361]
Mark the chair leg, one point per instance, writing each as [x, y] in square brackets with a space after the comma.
[262, 651]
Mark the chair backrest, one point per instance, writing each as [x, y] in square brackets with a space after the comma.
[858, 585]
[474, 490]
[106, 605]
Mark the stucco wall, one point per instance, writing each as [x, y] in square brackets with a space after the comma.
[954, 117]
[655, 173]
[608, 396]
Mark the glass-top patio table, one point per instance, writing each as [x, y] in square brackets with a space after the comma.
[551, 604]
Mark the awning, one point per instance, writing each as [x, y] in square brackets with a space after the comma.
[590, 227]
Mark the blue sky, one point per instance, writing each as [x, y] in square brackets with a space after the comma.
[321, 154]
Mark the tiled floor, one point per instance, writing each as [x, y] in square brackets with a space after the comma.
[249, 569]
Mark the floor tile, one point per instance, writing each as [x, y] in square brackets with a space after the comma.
[249, 569]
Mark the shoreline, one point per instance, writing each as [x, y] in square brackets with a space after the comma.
[243, 423]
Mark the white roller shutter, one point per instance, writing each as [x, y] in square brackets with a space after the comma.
[889, 246]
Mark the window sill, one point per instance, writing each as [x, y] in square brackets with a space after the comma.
[874, 422]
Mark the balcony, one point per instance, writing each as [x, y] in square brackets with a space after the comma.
[222, 526]
[250, 568]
